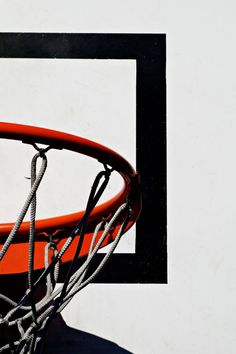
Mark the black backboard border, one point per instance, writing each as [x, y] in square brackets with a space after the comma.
[149, 263]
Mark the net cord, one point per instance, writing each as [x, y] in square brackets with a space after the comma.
[53, 302]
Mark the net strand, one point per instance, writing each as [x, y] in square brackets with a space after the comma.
[42, 155]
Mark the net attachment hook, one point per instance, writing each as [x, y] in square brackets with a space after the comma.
[42, 151]
[52, 243]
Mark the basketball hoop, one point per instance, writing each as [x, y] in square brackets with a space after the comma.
[45, 244]
[61, 226]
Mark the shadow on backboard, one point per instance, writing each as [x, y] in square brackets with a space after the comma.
[62, 339]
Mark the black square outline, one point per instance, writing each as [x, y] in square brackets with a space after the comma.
[149, 263]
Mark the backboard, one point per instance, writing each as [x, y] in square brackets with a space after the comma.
[109, 88]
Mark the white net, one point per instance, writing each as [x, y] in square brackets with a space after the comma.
[31, 318]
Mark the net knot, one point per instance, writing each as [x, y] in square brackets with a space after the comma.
[108, 170]
[42, 151]
[52, 243]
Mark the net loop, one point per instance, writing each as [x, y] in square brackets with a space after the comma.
[31, 196]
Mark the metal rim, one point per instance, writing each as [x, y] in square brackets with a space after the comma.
[60, 140]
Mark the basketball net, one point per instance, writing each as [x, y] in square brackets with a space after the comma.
[30, 318]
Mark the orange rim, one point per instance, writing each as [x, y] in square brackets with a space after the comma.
[61, 226]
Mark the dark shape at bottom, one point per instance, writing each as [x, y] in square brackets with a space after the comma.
[62, 339]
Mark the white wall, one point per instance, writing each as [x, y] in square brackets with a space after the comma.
[95, 99]
[195, 312]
